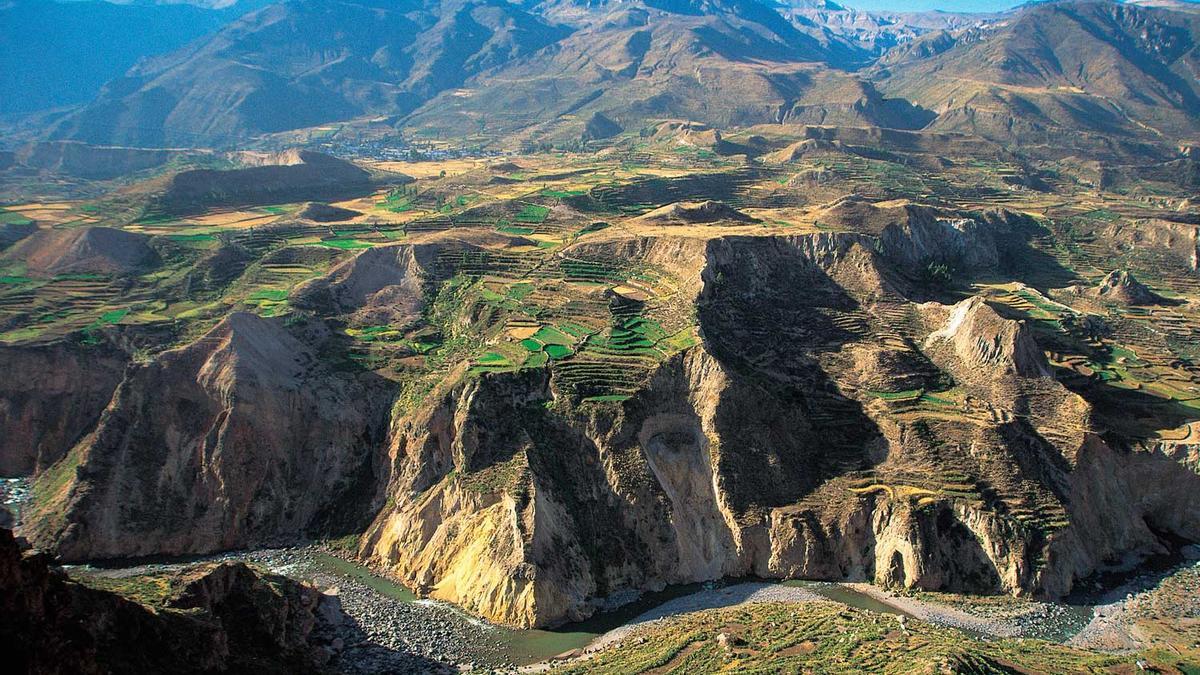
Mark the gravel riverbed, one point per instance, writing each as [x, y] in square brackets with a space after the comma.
[390, 631]
[395, 635]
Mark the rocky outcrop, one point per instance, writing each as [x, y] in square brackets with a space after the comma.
[980, 345]
[1125, 501]
[383, 285]
[810, 147]
[683, 213]
[215, 618]
[1122, 287]
[305, 175]
[85, 250]
[913, 235]
[51, 396]
[244, 437]
[744, 456]
[325, 213]
[1173, 243]
[884, 537]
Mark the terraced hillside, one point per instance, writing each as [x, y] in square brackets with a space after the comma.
[536, 384]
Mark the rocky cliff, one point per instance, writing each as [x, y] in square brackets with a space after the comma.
[246, 436]
[51, 397]
[216, 618]
[792, 413]
[757, 452]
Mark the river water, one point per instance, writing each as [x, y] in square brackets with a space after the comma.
[393, 618]
[1054, 622]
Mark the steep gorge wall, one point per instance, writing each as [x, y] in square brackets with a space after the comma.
[759, 451]
[242, 438]
[532, 509]
[50, 397]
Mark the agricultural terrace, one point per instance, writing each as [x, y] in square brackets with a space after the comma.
[518, 301]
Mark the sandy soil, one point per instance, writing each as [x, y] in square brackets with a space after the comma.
[939, 614]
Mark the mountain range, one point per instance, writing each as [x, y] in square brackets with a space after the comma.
[1090, 75]
[56, 54]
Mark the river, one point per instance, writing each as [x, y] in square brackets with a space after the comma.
[391, 619]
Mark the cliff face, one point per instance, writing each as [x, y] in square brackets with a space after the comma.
[241, 438]
[702, 475]
[380, 286]
[757, 452]
[51, 396]
[913, 235]
[216, 618]
[808, 421]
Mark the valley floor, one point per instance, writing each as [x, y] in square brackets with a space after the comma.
[392, 629]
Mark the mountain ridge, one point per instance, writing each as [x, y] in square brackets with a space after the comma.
[494, 68]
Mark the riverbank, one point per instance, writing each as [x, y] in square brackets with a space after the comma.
[391, 629]
[1151, 611]
[709, 598]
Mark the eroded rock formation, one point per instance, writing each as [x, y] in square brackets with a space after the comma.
[216, 618]
[781, 442]
[242, 438]
[51, 397]
[531, 509]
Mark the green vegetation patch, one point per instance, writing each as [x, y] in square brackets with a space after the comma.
[563, 194]
[550, 335]
[424, 344]
[826, 637]
[532, 213]
[346, 244]
[113, 316]
[13, 218]
[520, 291]
[80, 277]
[397, 201]
[274, 295]
[199, 237]
[573, 329]
[558, 352]
[908, 395]
[148, 589]
[537, 359]
[608, 398]
[507, 228]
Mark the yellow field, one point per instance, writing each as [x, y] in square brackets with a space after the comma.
[419, 170]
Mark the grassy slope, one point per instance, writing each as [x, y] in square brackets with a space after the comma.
[829, 638]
